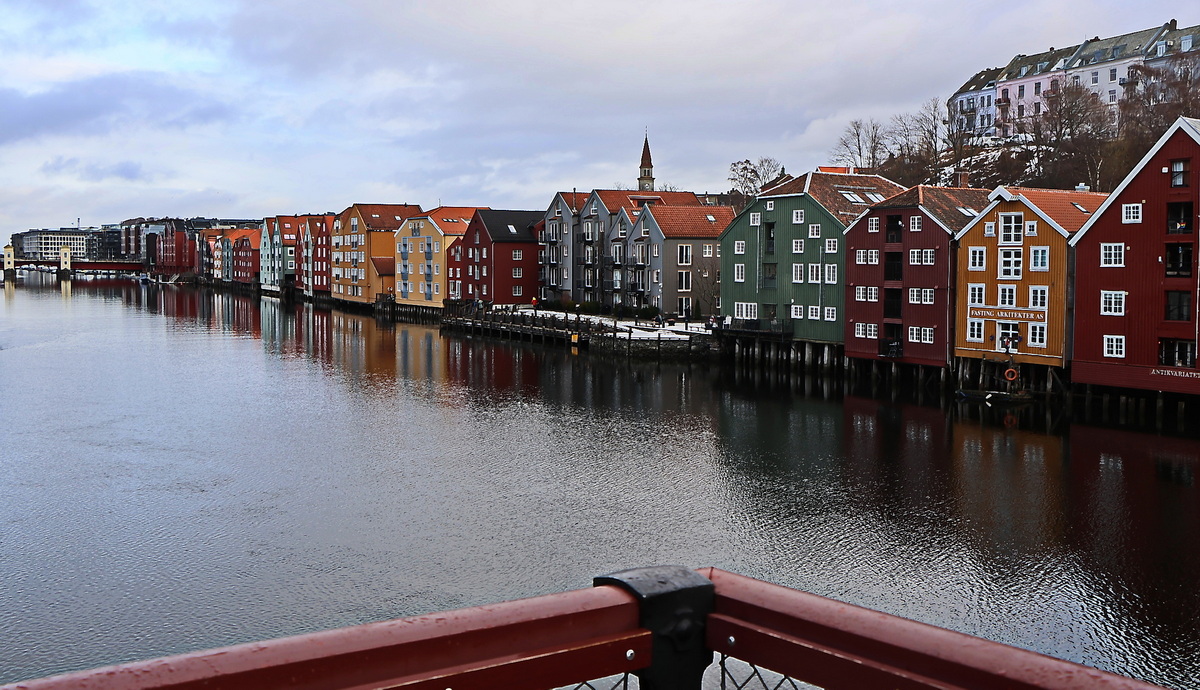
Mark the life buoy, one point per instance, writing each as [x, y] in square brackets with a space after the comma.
[1010, 374]
[1010, 421]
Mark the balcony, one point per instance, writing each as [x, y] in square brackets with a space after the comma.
[1003, 103]
[891, 348]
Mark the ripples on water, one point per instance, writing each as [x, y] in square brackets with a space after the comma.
[183, 471]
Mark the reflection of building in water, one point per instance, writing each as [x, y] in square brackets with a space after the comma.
[422, 353]
[894, 454]
[489, 367]
[362, 345]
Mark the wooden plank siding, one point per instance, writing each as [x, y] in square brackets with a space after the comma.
[1154, 222]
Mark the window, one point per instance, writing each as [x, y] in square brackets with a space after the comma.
[1008, 296]
[739, 273]
[1179, 259]
[872, 330]
[989, 229]
[814, 313]
[1131, 213]
[927, 335]
[518, 272]
[1095, 77]
[755, 220]
[745, 310]
[797, 311]
[814, 230]
[1031, 228]
[1039, 296]
[914, 224]
[798, 216]
[1010, 264]
[797, 246]
[860, 330]
[873, 224]
[1179, 173]
[1112, 74]
[1010, 228]
[872, 294]
[1039, 259]
[831, 313]
[1112, 254]
[873, 256]
[1179, 305]
[927, 295]
[708, 250]
[860, 293]
[831, 274]
[685, 281]
[914, 295]
[739, 246]
[831, 246]
[1036, 335]
[814, 273]
[914, 257]
[975, 330]
[1112, 303]
[518, 254]
[1114, 346]
[684, 254]
[927, 256]
[797, 273]
[976, 294]
[518, 290]
[860, 256]
[654, 250]
[770, 205]
[914, 334]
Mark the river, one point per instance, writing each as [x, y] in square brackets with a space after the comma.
[184, 469]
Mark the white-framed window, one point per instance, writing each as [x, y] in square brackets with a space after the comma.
[1039, 259]
[739, 273]
[1112, 254]
[798, 217]
[914, 334]
[914, 295]
[831, 246]
[873, 257]
[518, 272]
[927, 295]
[797, 311]
[1114, 346]
[914, 224]
[518, 254]
[1036, 335]
[684, 254]
[654, 250]
[873, 225]
[745, 310]
[873, 330]
[1131, 213]
[755, 220]
[797, 273]
[814, 230]
[771, 205]
[976, 294]
[860, 256]
[1007, 296]
[814, 273]
[831, 274]
[1010, 228]
[831, 313]
[989, 229]
[860, 293]
[1039, 297]
[1112, 303]
[1031, 228]
[797, 246]
[518, 290]
[927, 335]
[976, 258]
[914, 257]
[708, 250]
[975, 330]
[872, 294]
[860, 330]
[739, 246]
[928, 256]
[814, 313]
[684, 281]
[1010, 264]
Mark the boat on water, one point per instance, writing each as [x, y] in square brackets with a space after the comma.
[1017, 397]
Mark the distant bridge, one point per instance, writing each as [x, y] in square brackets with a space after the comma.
[118, 265]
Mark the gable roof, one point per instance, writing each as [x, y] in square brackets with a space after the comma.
[384, 265]
[837, 192]
[616, 199]
[1027, 65]
[1101, 50]
[1172, 40]
[947, 206]
[980, 81]
[450, 220]
[574, 200]
[691, 221]
[384, 217]
[510, 226]
[1187, 125]
[1064, 210]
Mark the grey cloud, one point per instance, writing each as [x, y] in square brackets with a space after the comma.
[129, 171]
[98, 105]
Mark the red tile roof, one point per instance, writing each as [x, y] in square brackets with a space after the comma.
[452, 220]
[389, 217]
[384, 265]
[616, 199]
[1059, 204]
[692, 221]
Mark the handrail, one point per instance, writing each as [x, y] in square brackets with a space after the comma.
[541, 642]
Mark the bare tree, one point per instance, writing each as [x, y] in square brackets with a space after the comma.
[748, 176]
[706, 286]
[915, 142]
[861, 145]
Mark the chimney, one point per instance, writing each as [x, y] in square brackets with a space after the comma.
[1081, 187]
[962, 178]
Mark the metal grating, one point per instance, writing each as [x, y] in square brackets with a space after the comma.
[619, 682]
[740, 675]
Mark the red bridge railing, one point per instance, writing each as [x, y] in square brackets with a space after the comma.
[661, 624]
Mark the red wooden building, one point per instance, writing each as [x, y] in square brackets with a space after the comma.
[900, 275]
[501, 256]
[1136, 281]
[312, 255]
[176, 249]
[245, 258]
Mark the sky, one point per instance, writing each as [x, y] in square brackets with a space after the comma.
[114, 109]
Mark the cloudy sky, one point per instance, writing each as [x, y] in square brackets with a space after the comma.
[111, 109]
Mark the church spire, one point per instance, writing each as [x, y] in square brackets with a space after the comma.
[646, 179]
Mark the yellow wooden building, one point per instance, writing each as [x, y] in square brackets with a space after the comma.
[362, 254]
[423, 246]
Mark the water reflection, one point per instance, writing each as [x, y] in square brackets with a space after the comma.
[366, 469]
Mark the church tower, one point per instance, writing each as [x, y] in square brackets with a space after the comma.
[646, 179]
